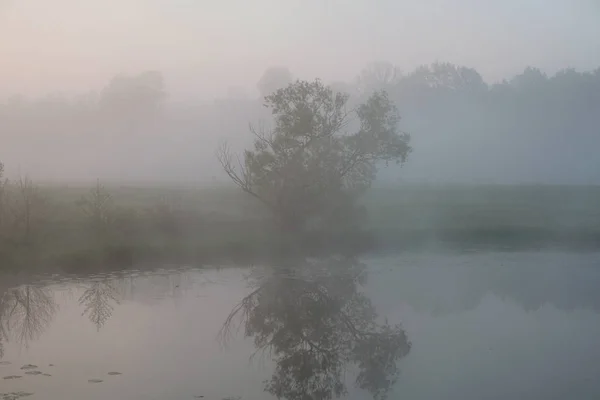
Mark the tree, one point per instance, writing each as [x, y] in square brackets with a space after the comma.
[2, 199]
[530, 80]
[99, 209]
[447, 76]
[273, 79]
[308, 170]
[135, 99]
[378, 76]
[28, 208]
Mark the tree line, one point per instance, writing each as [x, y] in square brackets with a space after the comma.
[465, 129]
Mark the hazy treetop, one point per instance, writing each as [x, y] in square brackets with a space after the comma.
[204, 47]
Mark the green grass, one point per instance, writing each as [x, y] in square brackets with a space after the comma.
[218, 223]
[498, 216]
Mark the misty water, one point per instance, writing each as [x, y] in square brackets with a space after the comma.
[481, 326]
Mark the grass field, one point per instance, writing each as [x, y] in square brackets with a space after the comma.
[499, 216]
[206, 223]
[451, 213]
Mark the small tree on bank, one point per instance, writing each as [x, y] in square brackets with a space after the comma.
[309, 170]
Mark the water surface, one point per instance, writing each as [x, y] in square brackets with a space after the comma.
[475, 326]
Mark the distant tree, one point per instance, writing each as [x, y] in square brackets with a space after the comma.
[447, 76]
[378, 76]
[273, 79]
[530, 79]
[133, 99]
[28, 209]
[309, 170]
[3, 206]
[98, 207]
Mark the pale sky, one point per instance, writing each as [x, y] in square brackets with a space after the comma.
[205, 46]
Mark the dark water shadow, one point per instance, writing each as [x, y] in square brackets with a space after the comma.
[315, 323]
[25, 313]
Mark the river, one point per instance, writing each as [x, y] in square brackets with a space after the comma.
[480, 325]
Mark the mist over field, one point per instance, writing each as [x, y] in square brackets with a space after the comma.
[299, 199]
[145, 91]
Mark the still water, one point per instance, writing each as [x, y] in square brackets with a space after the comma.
[420, 326]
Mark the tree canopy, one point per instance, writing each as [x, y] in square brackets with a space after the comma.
[310, 168]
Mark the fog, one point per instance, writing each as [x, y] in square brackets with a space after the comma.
[77, 101]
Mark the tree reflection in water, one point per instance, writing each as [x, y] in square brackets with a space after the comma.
[25, 312]
[315, 323]
[97, 299]
[3, 331]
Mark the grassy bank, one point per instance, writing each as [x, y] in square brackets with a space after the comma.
[70, 228]
[494, 216]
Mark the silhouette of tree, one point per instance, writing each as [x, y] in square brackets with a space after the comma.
[132, 100]
[316, 324]
[377, 76]
[3, 206]
[309, 170]
[447, 76]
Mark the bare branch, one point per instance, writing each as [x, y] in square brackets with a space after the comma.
[262, 134]
[241, 178]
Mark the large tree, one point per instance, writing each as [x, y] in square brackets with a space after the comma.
[309, 169]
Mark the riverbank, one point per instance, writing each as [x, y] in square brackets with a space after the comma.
[69, 227]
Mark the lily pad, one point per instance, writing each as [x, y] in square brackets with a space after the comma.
[29, 366]
[13, 377]
[95, 380]
[115, 373]
[51, 365]
[14, 395]
[33, 373]
[46, 374]
[5, 362]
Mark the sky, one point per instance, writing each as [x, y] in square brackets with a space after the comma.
[205, 47]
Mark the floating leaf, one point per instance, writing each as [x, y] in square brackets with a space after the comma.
[14, 395]
[95, 380]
